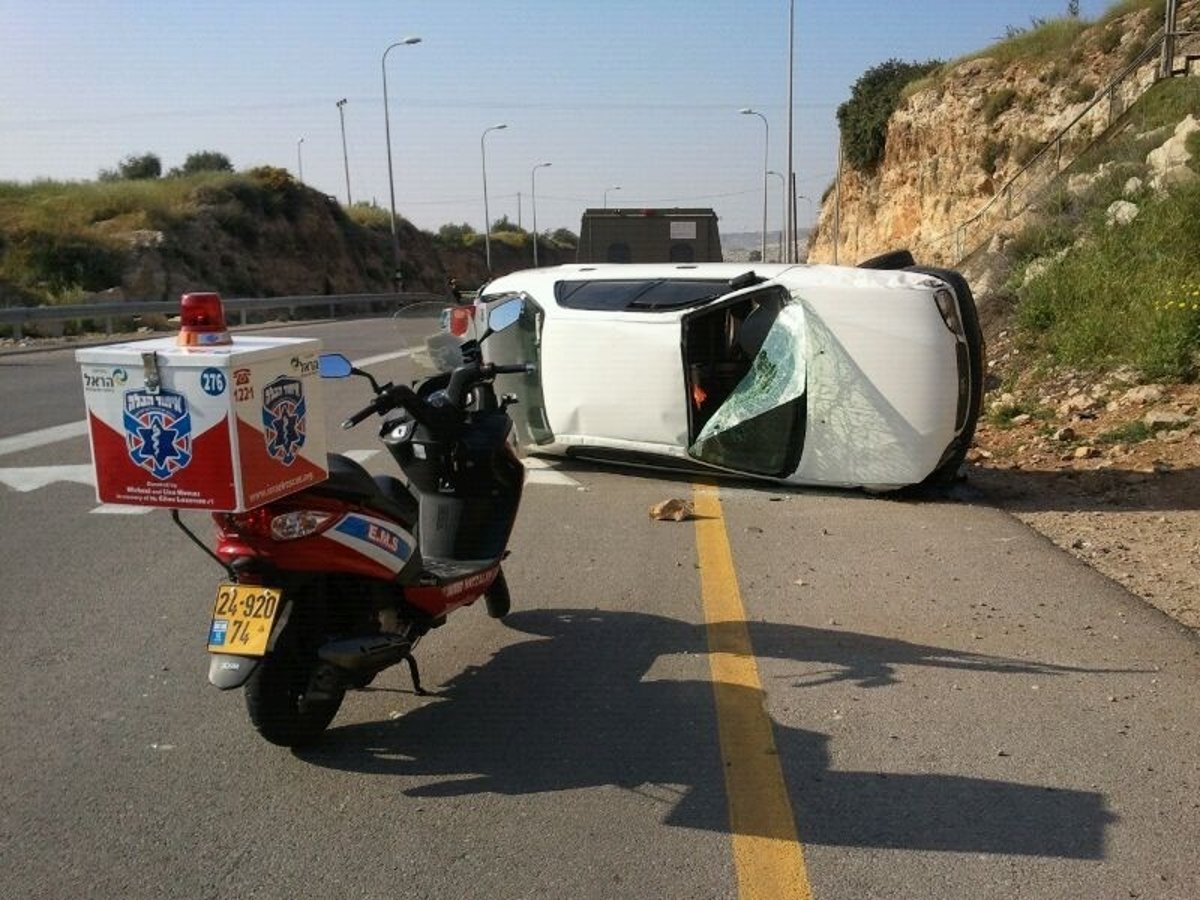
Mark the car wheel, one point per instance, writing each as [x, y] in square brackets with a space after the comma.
[896, 259]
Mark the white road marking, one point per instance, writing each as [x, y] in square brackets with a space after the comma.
[30, 479]
[117, 509]
[538, 471]
[360, 456]
[33, 439]
[382, 357]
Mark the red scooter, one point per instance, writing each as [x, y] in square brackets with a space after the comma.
[329, 586]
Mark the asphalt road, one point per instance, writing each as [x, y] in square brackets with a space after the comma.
[954, 708]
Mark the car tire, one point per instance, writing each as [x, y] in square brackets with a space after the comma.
[947, 471]
[896, 259]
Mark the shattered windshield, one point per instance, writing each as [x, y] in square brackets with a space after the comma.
[759, 427]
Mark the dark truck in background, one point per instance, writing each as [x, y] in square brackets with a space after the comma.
[648, 236]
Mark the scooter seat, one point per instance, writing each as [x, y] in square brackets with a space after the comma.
[350, 481]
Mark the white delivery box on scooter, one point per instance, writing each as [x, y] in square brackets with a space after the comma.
[223, 427]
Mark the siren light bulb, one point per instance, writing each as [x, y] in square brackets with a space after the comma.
[202, 321]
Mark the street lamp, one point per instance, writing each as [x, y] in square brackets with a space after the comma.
[341, 104]
[782, 209]
[487, 221]
[533, 201]
[615, 187]
[766, 145]
[387, 129]
[300, 159]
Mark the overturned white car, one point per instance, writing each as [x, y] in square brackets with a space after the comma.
[810, 375]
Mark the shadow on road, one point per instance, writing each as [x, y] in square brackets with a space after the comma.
[571, 709]
[1088, 490]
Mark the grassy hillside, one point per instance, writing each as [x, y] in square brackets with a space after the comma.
[1117, 295]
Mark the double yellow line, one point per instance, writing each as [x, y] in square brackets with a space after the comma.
[767, 854]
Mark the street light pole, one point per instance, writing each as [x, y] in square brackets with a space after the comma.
[533, 203]
[766, 146]
[791, 169]
[782, 210]
[387, 129]
[487, 221]
[300, 159]
[615, 187]
[341, 105]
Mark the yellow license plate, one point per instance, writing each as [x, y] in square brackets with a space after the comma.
[242, 618]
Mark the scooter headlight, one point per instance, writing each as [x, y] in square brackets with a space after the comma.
[299, 523]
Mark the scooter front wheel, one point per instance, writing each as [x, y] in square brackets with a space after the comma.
[497, 598]
[286, 705]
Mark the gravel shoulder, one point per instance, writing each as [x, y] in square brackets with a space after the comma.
[1108, 468]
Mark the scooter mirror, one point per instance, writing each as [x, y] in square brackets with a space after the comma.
[504, 315]
[334, 365]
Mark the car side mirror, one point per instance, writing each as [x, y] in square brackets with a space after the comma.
[505, 315]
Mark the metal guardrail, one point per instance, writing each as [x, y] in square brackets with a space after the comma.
[1058, 154]
[109, 313]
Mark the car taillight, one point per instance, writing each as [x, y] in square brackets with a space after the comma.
[299, 523]
[202, 321]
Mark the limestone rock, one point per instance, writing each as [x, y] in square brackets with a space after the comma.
[1121, 212]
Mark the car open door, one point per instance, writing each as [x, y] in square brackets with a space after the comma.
[745, 361]
[521, 344]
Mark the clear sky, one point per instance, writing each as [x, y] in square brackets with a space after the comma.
[640, 94]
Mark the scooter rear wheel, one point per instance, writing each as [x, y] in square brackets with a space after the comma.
[280, 698]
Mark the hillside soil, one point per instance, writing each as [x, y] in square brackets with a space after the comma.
[1106, 467]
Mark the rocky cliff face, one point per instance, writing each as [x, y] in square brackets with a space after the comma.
[953, 144]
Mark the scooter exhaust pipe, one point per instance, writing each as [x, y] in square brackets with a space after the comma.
[372, 651]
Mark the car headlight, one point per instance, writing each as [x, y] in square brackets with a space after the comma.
[947, 305]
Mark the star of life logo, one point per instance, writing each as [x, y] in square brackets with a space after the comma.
[158, 431]
[283, 419]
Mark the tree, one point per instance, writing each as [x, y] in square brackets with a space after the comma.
[148, 165]
[503, 224]
[864, 117]
[1073, 8]
[205, 161]
[455, 235]
[564, 237]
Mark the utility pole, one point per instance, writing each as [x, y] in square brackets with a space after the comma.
[791, 168]
[341, 104]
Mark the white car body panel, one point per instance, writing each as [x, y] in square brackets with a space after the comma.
[626, 384]
[882, 380]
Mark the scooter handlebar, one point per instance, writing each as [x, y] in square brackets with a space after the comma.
[461, 381]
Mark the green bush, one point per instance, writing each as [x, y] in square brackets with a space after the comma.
[998, 102]
[204, 161]
[457, 235]
[863, 118]
[990, 155]
[565, 238]
[1110, 39]
[1081, 91]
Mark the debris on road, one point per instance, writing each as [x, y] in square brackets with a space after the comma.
[673, 510]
